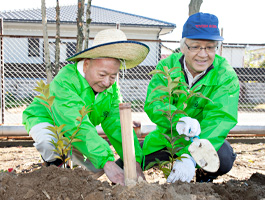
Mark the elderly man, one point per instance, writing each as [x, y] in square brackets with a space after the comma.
[90, 81]
[209, 74]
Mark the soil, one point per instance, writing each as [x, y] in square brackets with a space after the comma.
[31, 180]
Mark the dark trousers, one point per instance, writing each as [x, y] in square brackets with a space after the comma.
[225, 153]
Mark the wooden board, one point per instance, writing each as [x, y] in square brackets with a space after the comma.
[204, 154]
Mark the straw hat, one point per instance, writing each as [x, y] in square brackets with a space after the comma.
[112, 43]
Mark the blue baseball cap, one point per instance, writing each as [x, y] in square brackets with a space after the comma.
[202, 26]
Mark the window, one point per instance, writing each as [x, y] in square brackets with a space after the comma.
[34, 47]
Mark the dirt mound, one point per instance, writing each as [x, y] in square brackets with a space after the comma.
[253, 188]
[57, 183]
[30, 180]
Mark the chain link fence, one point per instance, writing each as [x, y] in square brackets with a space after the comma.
[22, 64]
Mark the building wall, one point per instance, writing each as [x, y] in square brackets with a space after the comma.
[234, 56]
[16, 49]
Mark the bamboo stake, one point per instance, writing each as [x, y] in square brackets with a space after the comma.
[130, 176]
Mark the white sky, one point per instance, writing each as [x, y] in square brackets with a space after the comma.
[242, 20]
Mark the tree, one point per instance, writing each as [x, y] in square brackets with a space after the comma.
[194, 6]
[57, 39]
[48, 65]
[80, 22]
[88, 21]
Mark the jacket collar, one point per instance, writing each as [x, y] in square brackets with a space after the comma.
[209, 78]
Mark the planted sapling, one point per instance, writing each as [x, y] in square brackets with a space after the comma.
[172, 87]
[62, 145]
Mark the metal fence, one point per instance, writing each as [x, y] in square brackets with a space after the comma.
[22, 64]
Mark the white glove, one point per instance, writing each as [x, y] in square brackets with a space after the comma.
[189, 127]
[183, 170]
[42, 138]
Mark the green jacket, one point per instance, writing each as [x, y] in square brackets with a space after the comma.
[216, 118]
[72, 92]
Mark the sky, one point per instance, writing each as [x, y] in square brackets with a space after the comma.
[242, 20]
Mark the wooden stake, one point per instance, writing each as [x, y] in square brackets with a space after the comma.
[130, 176]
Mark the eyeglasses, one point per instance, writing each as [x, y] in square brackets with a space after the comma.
[198, 48]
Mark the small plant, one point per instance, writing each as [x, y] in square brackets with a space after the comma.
[62, 144]
[173, 87]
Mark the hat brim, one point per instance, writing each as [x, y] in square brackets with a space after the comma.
[131, 51]
[206, 37]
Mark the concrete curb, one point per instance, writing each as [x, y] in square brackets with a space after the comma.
[145, 129]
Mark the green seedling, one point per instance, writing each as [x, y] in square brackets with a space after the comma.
[62, 145]
[172, 87]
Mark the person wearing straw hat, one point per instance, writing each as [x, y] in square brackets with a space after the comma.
[90, 81]
[207, 73]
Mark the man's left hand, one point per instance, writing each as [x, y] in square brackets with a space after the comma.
[114, 172]
[139, 171]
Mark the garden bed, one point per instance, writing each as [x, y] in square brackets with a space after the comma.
[30, 180]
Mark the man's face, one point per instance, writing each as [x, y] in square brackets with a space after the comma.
[101, 73]
[198, 61]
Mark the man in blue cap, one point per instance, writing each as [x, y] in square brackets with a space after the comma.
[207, 73]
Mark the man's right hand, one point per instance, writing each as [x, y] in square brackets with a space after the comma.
[183, 170]
[114, 172]
[188, 126]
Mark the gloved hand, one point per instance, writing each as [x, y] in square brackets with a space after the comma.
[183, 170]
[188, 126]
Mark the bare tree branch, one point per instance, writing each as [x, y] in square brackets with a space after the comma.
[46, 43]
[88, 21]
[80, 22]
[194, 6]
[57, 39]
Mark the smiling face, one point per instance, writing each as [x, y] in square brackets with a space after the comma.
[101, 73]
[197, 62]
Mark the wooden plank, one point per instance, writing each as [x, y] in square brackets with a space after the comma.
[129, 161]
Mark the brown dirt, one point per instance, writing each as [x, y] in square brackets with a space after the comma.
[31, 180]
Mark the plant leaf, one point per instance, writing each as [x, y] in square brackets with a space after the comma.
[50, 100]
[161, 87]
[166, 171]
[176, 150]
[76, 140]
[52, 128]
[165, 68]
[178, 112]
[179, 92]
[60, 144]
[157, 71]
[185, 106]
[59, 157]
[165, 163]
[66, 139]
[38, 89]
[79, 119]
[47, 106]
[46, 92]
[193, 89]
[151, 164]
[42, 97]
[174, 68]
[60, 128]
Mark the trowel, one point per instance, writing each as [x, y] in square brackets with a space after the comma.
[204, 154]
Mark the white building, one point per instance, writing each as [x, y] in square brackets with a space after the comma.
[29, 23]
[22, 55]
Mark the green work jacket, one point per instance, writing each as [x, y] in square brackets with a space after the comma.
[72, 92]
[216, 118]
